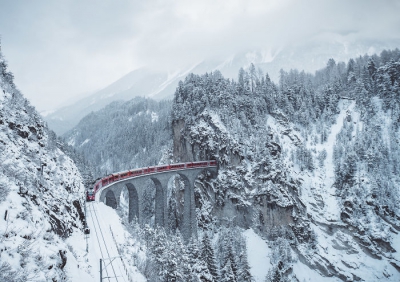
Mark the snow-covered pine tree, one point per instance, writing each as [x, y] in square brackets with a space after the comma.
[156, 256]
[198, 265]
[227, 273]
[176, 267]
[208, 256]
[244, 274]
[230, 256]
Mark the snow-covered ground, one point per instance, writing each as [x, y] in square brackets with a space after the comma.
[107, 237]
[331, 210]
[336, 246]
[258, 255]
[317, 189]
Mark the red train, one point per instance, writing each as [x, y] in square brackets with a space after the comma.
[90, 194]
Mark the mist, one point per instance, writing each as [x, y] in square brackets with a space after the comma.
[60, 49]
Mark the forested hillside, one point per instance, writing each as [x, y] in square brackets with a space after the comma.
[311, 164]
[123, 135]
[314, 159]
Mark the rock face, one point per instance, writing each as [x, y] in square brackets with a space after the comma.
[182, 149]
[41, 193]
[253, 187]
[295, 162]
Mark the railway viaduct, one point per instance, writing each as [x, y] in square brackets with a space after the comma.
[111, 193]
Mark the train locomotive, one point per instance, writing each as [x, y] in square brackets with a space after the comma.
[91, 193]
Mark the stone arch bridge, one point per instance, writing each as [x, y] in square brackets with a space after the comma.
[160, 176]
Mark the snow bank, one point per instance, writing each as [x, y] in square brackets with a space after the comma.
[258, 255]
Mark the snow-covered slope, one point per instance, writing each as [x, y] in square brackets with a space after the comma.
[339, 253]
[110, 241]
[42, 206]
[310, 165]
[41, 195]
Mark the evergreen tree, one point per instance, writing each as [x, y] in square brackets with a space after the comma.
[273, 275]
[198, 265]
[244, 268]
[227, 273]
[209, 256]
[230, 257]
[177, 268]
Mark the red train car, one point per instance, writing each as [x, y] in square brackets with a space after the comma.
[177, 166]
[136, 172]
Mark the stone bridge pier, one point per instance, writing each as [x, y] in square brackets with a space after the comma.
[136, 186]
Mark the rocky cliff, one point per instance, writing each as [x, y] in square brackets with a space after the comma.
[41, 194]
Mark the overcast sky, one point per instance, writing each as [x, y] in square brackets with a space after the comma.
[60, 49]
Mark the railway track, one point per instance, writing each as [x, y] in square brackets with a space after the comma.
[112, 267]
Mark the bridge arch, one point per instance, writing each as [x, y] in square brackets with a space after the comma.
[111, 201]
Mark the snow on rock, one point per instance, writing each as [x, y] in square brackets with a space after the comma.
[41, 195]
[331, 209]
[304, 273]
[339, 250]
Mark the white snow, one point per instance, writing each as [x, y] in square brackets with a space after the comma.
[338, 248]
[331, 208]
[84, 142]
[360, 263]
[107, 239]
[107, 234]
[258, 255]
[227, 62]
[304, 273]
[396, 242]
[154, 117]
[172, 77]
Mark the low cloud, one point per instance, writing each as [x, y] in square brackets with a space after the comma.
[60, 48]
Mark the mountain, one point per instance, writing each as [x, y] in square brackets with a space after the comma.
[139, 83]
[309, 164]
[123, 135]
[41, 193]
[309, 56]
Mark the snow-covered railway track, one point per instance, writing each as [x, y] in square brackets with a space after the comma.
[95, 228]
[112, 270]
